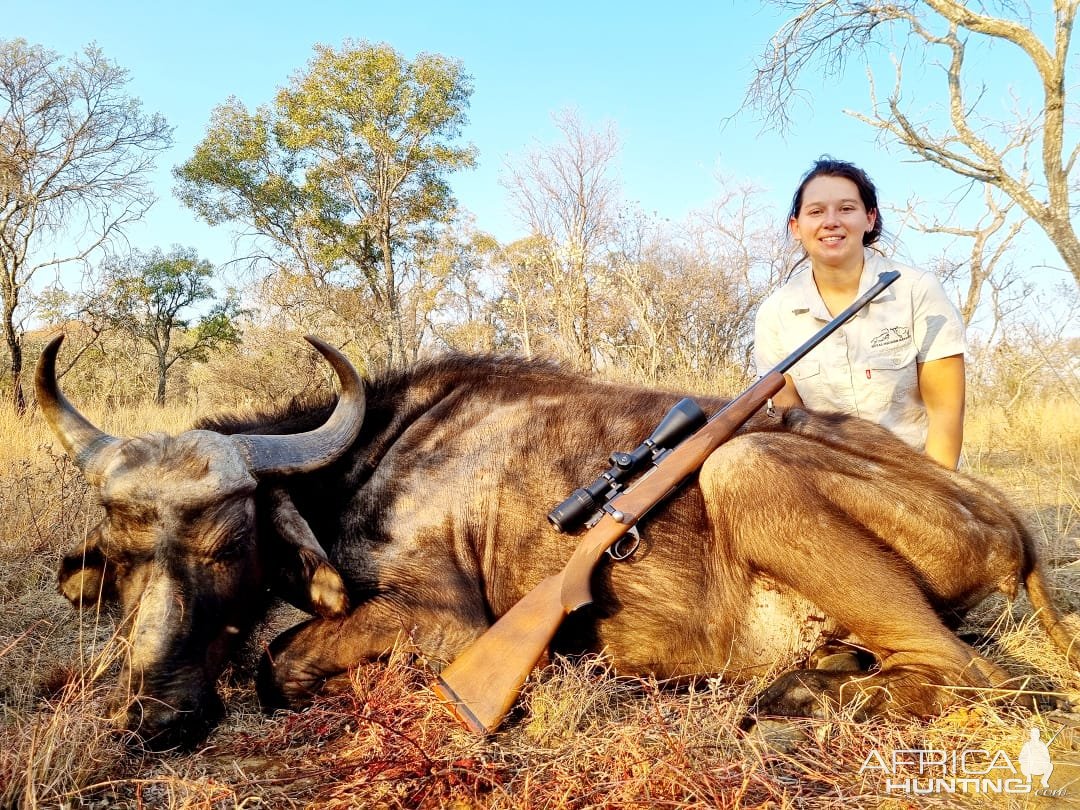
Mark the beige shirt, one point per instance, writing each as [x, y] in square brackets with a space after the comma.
[868, 367]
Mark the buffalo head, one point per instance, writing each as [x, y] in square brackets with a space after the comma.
[179, 548]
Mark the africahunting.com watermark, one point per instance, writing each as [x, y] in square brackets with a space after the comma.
[925, 771]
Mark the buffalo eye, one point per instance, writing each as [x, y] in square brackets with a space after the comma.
[230, 550]
[230, 540]
[130, 524]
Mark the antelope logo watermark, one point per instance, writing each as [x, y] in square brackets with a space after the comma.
[925, 771]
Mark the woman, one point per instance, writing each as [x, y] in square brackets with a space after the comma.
[899, 362]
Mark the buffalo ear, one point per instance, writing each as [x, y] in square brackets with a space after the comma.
[85, 577]
[308, 579]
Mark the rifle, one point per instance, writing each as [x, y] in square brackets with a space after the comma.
[482, 684]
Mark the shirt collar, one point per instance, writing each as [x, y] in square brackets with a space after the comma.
[807, 300]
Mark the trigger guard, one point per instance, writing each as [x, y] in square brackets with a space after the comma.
[626, 545]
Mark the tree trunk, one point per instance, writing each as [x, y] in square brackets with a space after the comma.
[1066, 241]
[585, 347]
[18, 397]
[163, 370]
[583, 326]
[395, 335]
[526, 338]
[15, 352]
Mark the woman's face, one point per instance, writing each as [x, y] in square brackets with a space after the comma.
[831, 223]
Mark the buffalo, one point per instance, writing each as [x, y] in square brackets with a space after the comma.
[412, 506]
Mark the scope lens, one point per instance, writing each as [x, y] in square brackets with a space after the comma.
[573, 512]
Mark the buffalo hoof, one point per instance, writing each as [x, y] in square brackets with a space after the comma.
[813, 693]
[285, 678]
[281, 687]
[779, 736]
[276, 692]
[837, 656]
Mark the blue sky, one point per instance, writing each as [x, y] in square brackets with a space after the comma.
[668, 77]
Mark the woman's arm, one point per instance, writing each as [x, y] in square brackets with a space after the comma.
[788, 396]
[941, 384]
[769, 349]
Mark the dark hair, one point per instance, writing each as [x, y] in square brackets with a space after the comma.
[826, 166]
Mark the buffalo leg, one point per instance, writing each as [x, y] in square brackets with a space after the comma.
[760, 506]
[302, 659]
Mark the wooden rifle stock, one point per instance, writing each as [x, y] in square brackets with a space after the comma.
[482, 684]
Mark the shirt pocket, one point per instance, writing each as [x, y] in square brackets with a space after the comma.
[805, 370]
[810, 384]
[893, 377]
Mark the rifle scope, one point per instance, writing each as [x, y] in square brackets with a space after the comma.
[682, 420]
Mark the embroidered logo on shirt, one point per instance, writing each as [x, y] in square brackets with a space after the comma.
[891, 336]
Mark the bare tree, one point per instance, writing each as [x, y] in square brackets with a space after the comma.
[991, 237]
[523, 303]
[641, 305]
[1031, 155]
[678, 298]
[734, 260]
[566, 194]
[74, 155]
[451, 301]
[1037, 355]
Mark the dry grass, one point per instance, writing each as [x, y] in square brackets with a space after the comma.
[583, 737]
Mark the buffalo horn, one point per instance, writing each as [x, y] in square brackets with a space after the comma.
[81, 439]
[304, 452]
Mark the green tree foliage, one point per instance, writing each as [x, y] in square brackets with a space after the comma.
[74, 154]
[146, 296]
[343, 178]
